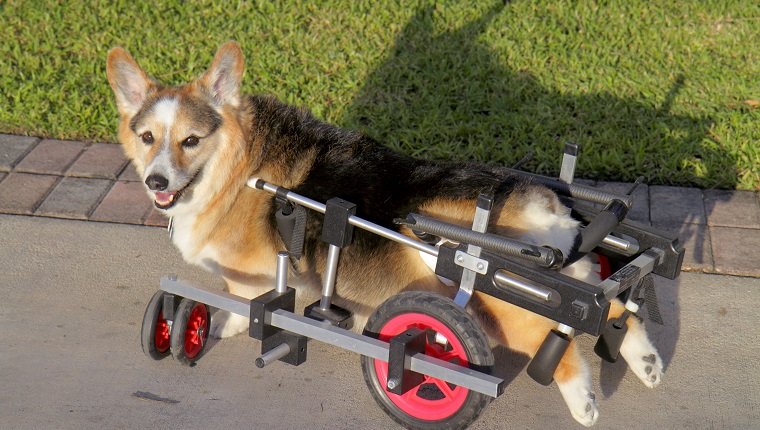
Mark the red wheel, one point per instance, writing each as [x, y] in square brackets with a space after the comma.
[605, 269]
[155, 329]
[434, 399]
[162, 334]
[189, 332]
[452, 336]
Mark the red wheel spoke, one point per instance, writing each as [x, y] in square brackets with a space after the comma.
[411, 394]
[451, 356]
[445, 389]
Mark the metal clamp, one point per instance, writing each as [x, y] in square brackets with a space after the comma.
[479, 224]
[471, 262]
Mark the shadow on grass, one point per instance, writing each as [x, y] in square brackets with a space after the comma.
[444, 95]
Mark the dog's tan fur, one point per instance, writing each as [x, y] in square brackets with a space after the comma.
[224, 226]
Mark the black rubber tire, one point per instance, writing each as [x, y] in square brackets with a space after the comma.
[180, 330]
[468, 333]
[149, 325]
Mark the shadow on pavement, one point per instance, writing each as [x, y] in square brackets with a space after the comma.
[448, 88]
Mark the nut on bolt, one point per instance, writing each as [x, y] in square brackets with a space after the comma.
[392, 383]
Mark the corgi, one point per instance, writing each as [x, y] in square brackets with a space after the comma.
[196, 145]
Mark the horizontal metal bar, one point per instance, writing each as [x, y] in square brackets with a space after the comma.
[505, 281]
[327, 333]
[627, 246]
[353, 219]
[293, 197]
[631, 273]
[392, 235]
[218, 299]
[377, 349]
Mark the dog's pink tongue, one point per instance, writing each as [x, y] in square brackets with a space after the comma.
[164, 198]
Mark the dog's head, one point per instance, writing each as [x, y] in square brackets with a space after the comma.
[172, 133]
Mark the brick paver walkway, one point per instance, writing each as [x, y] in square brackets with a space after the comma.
[64, 179]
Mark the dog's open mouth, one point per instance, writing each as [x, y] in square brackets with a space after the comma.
[164, 200]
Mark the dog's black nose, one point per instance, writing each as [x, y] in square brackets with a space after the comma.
[156, 182]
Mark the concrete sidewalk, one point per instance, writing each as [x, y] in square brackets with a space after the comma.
[73, 296]
[74, 180]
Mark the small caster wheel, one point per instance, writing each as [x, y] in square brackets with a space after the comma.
[453, 336]
[189, 331]
[154, 335]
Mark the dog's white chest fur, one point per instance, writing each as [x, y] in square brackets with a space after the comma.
[185, 239]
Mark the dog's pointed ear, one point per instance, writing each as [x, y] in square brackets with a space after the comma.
[129, 82]
[223, 77]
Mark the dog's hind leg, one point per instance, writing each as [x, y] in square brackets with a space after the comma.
[523, 331]
[637, 350]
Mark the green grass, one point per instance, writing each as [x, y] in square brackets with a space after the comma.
[659, 89]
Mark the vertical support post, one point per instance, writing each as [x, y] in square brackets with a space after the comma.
[337, 232]
[328, 287]
[479, 224]
[281, 277]
[567, 171]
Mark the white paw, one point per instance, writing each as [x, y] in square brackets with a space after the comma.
[642, 357]
[225, 324]
[648, 368]
[580, 400]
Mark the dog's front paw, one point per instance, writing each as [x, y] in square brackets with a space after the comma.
[580, 400]
[225, 324]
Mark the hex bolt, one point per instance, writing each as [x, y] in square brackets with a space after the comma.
[480, 266]
[460, 258]
[392, 383]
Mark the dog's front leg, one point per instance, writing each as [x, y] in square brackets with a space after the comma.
[225, 324]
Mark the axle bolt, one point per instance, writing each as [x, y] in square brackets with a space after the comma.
[392, 383]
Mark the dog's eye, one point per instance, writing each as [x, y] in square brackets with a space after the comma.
[190, 141]
[147, 137]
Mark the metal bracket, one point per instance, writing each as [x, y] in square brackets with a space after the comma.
[170, 305]
[402, 347]
[471, 262]
[479, 224]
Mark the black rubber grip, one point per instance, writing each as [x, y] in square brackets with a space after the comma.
[602, 224]
[547, 358]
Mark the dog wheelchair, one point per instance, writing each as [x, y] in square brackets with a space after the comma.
[425, 360]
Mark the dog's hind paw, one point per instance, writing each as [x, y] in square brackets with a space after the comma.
[225, 324]
[648, 368]
[586, 412]
[580, 400]
[642, 358]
